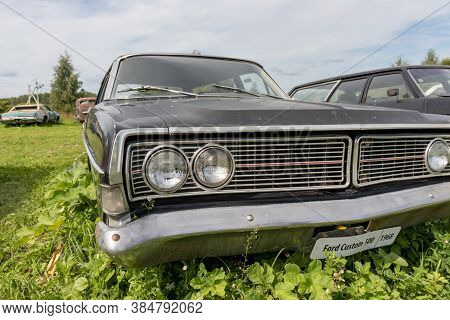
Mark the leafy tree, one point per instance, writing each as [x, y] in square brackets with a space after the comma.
[445, 61]
[431, 57]
[84, 93]
[400, 62]
[65, 85]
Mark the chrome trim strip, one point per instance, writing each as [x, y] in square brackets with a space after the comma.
[355, 159]
[89, 152]
[115, 164]
[306, 128]
[346, 175]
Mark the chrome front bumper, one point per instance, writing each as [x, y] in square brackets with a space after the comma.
[222, 231]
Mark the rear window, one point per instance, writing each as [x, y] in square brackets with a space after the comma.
[25, 108]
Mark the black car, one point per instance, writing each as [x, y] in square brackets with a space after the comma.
[420, 88]
[199, 156]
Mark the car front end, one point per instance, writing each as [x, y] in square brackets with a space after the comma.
[182, 176]
[288, 196]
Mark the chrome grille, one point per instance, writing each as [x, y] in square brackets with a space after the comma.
[379, 159]
[262, 164]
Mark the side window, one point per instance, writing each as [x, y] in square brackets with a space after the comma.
[349, 92]
[314, 94]
[386, 87]
[253, 83]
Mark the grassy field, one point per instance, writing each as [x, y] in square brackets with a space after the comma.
[48, 250]
[30, 155]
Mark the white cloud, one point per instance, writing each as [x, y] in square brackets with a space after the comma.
[297, 41]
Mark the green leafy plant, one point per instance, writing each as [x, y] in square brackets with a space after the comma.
[48, 251]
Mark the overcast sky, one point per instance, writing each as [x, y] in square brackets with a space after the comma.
[296, 41]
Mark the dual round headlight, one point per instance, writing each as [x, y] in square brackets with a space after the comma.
[436, 155]
[212, 167]
[166, 168]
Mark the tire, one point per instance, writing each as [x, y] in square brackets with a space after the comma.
[45, 120]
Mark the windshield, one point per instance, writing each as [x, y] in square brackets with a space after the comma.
[191, 75]
[432, 81]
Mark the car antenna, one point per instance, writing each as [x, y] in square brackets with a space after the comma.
[34, 94]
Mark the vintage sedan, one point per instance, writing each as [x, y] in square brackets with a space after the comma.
[420, 88]
[82, 107]
[29, 113]
[198, 156]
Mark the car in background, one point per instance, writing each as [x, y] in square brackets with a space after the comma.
[82, 107]
[29, 113]
[421, 88]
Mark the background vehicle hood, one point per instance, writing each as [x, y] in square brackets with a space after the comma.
[243, 111]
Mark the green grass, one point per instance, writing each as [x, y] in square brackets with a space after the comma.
[53, 215]
[31, 155]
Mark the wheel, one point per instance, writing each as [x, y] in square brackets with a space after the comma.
[45, 119]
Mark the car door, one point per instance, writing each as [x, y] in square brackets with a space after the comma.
[393, 91]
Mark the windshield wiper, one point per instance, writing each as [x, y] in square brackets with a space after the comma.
[245, 91]
[154, 88]
[234, 89]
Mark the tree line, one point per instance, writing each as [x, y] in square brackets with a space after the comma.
[66, 88]
[431, 58]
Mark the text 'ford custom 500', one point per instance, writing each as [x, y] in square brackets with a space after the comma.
[192, 154]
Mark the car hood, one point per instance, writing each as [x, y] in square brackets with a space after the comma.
[208, 112]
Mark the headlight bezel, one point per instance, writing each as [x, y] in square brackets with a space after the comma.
[198, 181]
[152, 153]
[427, 151]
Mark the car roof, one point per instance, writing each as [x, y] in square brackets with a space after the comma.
[367, 73]
[126, 56]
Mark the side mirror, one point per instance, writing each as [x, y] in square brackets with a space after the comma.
[393, 92]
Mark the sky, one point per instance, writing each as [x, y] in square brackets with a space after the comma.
[296, 41]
